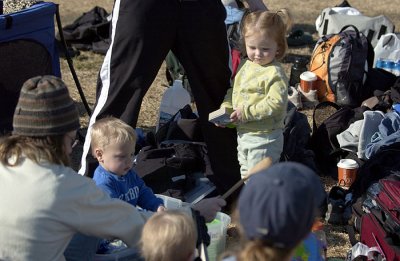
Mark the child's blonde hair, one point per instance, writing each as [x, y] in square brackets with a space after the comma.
[111, 130]
[275, 24]
[169, 236]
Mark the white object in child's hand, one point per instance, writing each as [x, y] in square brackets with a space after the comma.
[220, 116]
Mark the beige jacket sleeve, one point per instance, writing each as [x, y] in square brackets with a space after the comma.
[93, 212]
[96, 214]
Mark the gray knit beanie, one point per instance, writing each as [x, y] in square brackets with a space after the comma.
[45, 108]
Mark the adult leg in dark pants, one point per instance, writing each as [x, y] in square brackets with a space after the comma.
[143, 33]
[201, 47]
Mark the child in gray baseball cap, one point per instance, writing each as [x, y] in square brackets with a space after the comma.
[276, 210]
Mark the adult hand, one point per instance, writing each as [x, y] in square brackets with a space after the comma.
[209, 207]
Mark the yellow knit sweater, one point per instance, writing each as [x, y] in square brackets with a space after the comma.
[262, 93]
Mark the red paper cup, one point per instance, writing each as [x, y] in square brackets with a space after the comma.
[308, 81]
[347, 172]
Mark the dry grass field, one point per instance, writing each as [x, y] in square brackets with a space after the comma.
[304, 12]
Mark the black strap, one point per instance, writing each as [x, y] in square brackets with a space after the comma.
[370, 35]
[325, 27]
[382, 31]
[322, 19]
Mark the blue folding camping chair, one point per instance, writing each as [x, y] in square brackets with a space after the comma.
[27, 49]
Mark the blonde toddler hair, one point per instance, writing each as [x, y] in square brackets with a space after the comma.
[111, 130]
[169, 236]
[275, 24]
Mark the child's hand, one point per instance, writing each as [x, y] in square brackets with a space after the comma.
[161, 208]
[236, 116]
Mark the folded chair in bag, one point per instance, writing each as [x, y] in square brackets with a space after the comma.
[27, 49]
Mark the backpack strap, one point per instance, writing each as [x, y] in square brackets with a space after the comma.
[350, 25]
[322, 105]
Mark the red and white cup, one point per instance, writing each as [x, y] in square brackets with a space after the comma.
[347, 172]
[308, 81]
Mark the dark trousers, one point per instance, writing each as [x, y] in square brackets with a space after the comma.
[143, 33]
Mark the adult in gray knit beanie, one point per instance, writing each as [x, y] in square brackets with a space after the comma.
[43, 202]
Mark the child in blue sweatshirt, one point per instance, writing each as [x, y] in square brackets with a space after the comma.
[113, 145]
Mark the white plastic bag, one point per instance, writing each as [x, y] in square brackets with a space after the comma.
[361, 250]
[387, 48]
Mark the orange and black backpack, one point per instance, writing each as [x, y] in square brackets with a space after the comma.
[341, 62]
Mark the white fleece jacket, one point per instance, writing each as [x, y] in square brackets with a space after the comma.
[42, 206]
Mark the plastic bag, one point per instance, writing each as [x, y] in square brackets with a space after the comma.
[361, 250]
[387, 48]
